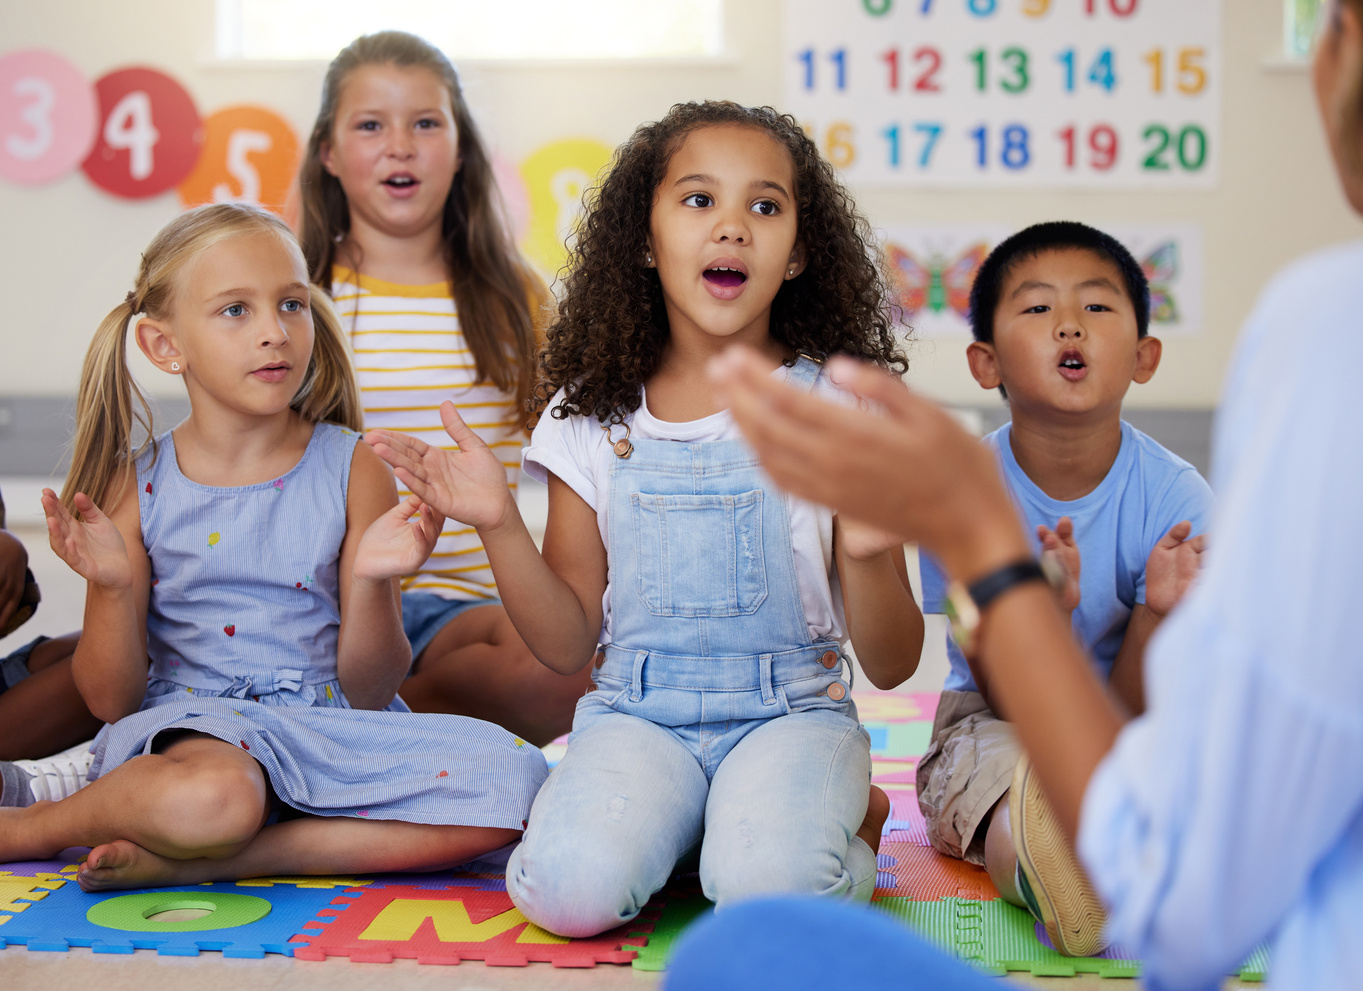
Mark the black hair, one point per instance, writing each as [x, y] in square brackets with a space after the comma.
[1056, 235]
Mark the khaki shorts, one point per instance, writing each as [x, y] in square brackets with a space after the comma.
[967, 768]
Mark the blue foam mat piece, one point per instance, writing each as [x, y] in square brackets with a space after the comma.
[63, 911]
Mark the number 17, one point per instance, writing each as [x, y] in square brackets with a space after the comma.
[930, 132]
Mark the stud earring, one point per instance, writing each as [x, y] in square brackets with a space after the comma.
[174, 366]
[648, 259]
[790, 273]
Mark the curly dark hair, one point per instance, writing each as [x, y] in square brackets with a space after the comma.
[611, 328]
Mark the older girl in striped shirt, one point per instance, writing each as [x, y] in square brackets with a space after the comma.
[401, 220]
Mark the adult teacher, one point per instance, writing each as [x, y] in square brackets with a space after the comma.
[1231, 812]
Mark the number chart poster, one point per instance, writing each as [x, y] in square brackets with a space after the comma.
[1010, 93]
[931, 268]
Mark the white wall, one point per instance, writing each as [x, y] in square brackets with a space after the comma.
[68, 250]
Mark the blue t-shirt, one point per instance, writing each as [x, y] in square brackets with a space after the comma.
[1147, 491]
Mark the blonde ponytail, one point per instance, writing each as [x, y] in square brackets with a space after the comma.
[105, 414]
[329, 391]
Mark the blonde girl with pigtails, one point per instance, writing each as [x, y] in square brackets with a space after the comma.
[243, 635]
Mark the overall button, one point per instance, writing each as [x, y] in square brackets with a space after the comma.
[829, 659]
[836, 691]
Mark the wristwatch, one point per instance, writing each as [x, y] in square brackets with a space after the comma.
[965, 603]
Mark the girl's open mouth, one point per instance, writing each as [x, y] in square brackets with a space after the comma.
[725, 282]
[725, 277]
[402, 184]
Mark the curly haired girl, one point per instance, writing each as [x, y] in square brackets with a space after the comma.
[721, 605]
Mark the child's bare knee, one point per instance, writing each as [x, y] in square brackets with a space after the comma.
[212, 805]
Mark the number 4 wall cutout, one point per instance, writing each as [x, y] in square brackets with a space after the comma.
[150, 136]
[1010, 93]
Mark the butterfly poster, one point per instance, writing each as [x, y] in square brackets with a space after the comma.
[1171, 257]
[930, 270]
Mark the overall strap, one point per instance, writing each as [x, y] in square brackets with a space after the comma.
[805, 371]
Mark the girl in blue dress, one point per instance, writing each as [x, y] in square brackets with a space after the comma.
[721, 705]
[243, 634]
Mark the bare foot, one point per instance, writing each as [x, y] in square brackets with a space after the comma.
[877, 811]
[124, 864]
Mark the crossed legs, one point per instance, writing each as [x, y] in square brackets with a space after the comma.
[197, 811]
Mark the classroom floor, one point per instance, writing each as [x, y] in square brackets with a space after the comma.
[144, 970]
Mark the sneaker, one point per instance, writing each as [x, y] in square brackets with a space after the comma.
[61, 775]
[15, 792]
[1050, 878]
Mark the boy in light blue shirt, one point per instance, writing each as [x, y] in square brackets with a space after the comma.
[1060, 315]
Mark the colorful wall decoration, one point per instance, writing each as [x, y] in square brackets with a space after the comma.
[136, 133]
[556, 176]
[931, 268]
[47, 116]
[1010, 93]
[250, 154]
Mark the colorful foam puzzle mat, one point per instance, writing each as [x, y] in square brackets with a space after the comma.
[452, 917]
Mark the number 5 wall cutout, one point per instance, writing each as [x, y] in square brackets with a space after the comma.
[249, 154]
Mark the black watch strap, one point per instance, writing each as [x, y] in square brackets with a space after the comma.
[994, 584]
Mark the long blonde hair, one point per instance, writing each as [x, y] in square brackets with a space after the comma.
[110, 400]
[494, 292]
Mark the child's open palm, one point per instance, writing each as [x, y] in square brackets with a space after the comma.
[1058, 546]
[1172, 567]
[468, 485]
[399, 541]
[92, 546]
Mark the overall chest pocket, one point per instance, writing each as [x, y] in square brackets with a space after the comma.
[699, 555]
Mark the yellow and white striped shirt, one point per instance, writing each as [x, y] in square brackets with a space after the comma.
[410, 356]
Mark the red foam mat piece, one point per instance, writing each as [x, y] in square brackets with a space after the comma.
[923, 874]
[375, 925]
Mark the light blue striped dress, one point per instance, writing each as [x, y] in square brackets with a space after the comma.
[242, 627]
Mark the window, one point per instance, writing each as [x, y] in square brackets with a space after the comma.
[1299, 26]
[476, 29]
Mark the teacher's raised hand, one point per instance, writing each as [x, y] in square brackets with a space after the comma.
[896, 460]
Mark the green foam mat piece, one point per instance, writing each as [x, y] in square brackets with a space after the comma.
[906, 739]
[1255, 969]
[996, 937]
[679, 912]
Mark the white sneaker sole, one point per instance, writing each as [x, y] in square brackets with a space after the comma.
[1070, 909]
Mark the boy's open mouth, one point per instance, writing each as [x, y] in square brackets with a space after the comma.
[724, 276]
[1072, 365]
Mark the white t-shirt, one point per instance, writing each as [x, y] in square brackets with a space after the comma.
[577, 450]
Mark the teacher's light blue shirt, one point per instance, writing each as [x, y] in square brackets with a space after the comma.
[1232, 811]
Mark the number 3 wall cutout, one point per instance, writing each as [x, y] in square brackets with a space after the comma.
[136, 133]
[48, 116]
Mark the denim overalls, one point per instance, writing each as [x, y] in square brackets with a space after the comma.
[714, 711]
